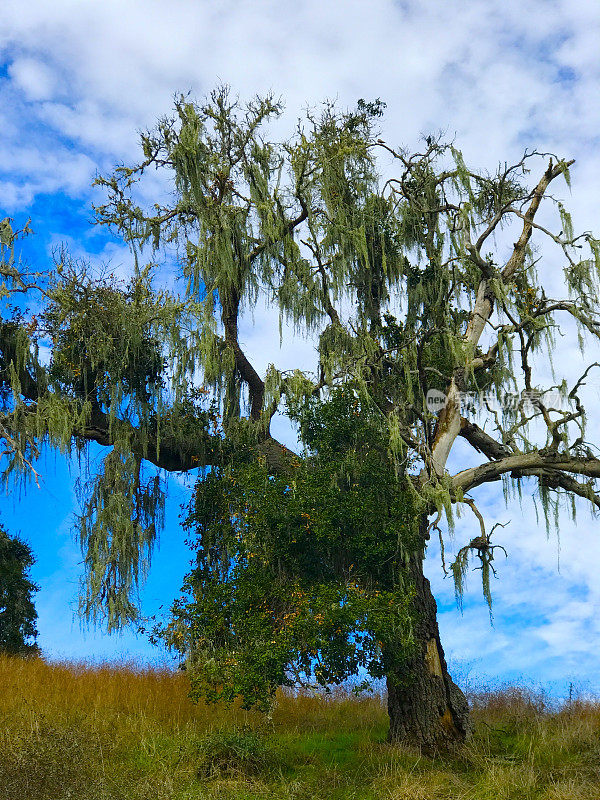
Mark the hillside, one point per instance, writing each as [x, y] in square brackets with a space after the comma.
[123, 733]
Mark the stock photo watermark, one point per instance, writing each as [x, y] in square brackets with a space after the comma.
[525, 400]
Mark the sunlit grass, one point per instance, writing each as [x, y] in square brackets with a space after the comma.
[123, 732]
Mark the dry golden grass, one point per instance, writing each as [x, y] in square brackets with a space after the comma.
[77, 732]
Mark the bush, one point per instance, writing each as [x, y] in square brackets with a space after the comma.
[237, 752]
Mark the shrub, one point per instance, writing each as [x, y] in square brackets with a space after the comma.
[237, 752]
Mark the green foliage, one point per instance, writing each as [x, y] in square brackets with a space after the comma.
[14, 275]
[237, 752]
[17, 611]
[383, 275]
[300, 577]
[240, 199]
[104, 339]
[117, 531]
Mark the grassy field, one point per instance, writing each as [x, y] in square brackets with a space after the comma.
[121, 733]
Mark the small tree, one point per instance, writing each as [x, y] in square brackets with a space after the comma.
[424, 286]
[18, 616]
[301, 575]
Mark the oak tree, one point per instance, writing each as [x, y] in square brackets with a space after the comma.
[419, 286]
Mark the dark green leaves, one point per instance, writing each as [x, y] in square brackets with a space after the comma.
[17, 612]
[299, 577]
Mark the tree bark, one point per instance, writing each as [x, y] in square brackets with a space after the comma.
[425, 706]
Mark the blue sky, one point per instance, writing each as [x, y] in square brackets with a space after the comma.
[78, 79]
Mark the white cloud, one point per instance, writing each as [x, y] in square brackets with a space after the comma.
[547, 591]
[33, 78]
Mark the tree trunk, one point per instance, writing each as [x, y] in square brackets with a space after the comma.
[426, 708]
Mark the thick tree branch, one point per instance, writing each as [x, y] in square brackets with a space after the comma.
[569, 484]
[173, 454]
[516, 260]
[290, 227]
[256, 387]
[521, 463]
[483, 442]
[448, 427]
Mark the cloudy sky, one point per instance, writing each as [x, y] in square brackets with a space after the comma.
[78, 78]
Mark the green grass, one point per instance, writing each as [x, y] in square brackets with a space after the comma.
[72, 732]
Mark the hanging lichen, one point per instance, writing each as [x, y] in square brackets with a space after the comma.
[398, 283]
